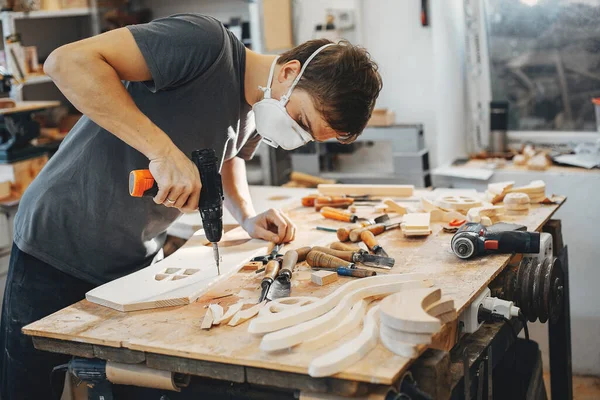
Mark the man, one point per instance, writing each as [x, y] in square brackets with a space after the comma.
[151, 94]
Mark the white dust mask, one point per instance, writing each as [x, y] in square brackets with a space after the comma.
[273, 122]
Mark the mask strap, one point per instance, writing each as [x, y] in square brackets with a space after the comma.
[267, 90]
[285, 98]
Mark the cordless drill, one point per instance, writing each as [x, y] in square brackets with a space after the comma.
[142, 183]
[473, 239]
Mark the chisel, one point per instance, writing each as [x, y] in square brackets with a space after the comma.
[369, 260]
[369, 239]
[376, 229]
[271, 271]
[281, 287]
[346, 247]
[353, 272]
[324, 260]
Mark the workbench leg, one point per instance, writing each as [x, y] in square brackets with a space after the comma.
[559, 337]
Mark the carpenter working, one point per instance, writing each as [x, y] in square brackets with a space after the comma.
[151, 94]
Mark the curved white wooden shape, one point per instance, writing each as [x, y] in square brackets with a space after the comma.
[348, 324]
[407, 337]
[297, 334]
[278, 305]
[350, 352]
[177, 280]
[396, 346]
[287, 318]
[405, 311]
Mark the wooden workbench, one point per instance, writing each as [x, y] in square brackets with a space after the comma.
[171, 338]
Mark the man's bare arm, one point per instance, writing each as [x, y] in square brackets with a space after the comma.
[89, 74]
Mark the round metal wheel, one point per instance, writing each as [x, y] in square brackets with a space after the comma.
[554, 290]
[537, 290]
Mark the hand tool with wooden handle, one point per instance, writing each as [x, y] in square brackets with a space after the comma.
[271, 271]
[210, 205]
[324, 260]
[281, 287]
[359, 257]
[353, 272]
[309, 201]
[303, 252]
[344, 203]
[369, 239]
[338, 215]
[346, 247]
[376, 229]
[343, 234]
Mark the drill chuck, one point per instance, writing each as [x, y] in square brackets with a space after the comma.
[464, 245]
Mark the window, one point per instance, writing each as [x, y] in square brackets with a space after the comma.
[545, 60]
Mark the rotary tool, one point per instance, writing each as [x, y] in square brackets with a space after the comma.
[142, 183]
[473, 239]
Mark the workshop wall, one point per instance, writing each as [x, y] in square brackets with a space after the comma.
[223, 10]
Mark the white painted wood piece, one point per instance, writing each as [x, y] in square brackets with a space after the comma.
[475, 214]
[416, 221]
[535, 187]
[457, 202]
[244, 315]
[392, 206]
[398, 347]
[350, 352]
[177, 280]
[208, 319]
[217, 311]
[231, 311]
[416, 232]
[323, 277]
[406, 337]
[279, 305]
[405, 310]
[485, 221]
[515, 198]
[371, 190]
[294, 335]
[350, 322]
[500, 187]
[517, 207]
[427, 205]
[289, 317]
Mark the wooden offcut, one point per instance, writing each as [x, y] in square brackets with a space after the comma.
[323, 277]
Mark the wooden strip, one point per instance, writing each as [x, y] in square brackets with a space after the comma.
[348, 324]
[406, 337]
[405, 311]
[208, 319]
[270, 323]
[398, 347]
[350, 352]
[231, 311]
[244, 315]
[296, 334]
[369, 190]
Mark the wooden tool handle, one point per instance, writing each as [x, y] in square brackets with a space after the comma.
[343, 234]
[289, 261]
[309, 201]
[354, 235]
[377, 229]
[344, 247]
[332, 199]
[338, 215]
[356, 272]
[344, 203]
[322, 260]
[344, 255]
[369, 239]
[272, 269]
[302, 253]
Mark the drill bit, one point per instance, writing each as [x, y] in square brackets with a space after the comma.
[216, 255]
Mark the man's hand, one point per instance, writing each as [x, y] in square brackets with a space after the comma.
[272, 225]
[177, 178]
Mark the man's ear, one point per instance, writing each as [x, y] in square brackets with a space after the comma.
[289, 71]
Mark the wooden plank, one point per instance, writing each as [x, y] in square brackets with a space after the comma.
[64, 347]
[23, 106]
[119, 354]
[370, 190]
[205, 369]
[176, 332]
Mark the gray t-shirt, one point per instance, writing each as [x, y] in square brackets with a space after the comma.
[77, 215]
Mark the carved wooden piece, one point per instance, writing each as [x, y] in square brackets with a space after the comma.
[244, 315]
[397, 346]
[217, 311]
[284, 319]
[350, 352]
[208, 319]
[231, 311]
[416, 224]
[405, 337]
[322, 278]
[405, 311]
[456, 202]
[177, 280]
[296, 334]
[350, 322]
[392, 206]
[286, 303]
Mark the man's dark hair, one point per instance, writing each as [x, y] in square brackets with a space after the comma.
[343, 82]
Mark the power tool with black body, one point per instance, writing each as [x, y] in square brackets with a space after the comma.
[473, 239]
[142, 183]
